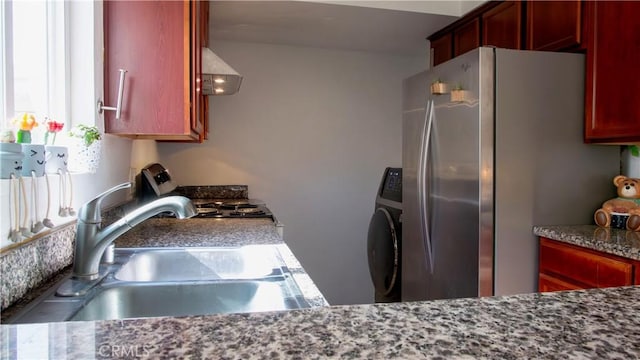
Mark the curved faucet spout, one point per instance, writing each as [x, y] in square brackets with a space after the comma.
[91, 241]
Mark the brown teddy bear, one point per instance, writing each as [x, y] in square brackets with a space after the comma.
[627, 202]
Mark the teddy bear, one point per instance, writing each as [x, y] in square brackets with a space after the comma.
[627, 202]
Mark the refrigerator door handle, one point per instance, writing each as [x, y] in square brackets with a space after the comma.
[422, 183]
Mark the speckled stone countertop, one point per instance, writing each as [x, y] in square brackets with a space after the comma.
[617, 242]
[597, 323]
[200, 232]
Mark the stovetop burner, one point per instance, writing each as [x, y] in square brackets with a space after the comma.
[205, 203]
[237, 206]
[231, 208]
[208, 211]
[248, 212]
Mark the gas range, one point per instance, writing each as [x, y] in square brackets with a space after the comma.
[231, 208]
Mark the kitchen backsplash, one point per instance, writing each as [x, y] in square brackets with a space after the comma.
[31, 264]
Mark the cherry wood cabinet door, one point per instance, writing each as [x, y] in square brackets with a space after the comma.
[583, 266]
[199, 37]
[548, 283]
[502, 25]
[553, 25]
[612, 89]
[441, 49]
[466, 37]
[152, 41]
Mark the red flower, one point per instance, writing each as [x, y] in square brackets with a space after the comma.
[54, 126]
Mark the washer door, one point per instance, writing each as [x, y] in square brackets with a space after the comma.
[383, 252]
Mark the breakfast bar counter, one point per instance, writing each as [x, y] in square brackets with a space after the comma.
[598, 323]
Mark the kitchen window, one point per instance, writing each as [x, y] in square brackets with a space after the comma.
[34, 60]
[61, 35]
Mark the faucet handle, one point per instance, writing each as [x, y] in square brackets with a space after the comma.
[90, 211]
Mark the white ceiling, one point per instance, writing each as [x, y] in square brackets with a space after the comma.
[329, 25]
[438, 7]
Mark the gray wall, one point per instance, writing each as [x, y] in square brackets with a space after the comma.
[310, 132]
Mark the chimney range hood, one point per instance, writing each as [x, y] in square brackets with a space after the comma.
[218, 78]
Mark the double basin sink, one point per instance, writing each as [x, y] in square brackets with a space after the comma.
[148, 282]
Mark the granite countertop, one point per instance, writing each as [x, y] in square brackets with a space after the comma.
[169, 232]
[612, 241]
[597, 323]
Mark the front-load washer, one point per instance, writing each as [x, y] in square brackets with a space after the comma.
[384, 240]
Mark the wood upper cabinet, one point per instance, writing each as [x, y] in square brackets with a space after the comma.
[496, 23]
[502, 25]
[441, 49]
[612, 88]
[199, 36]
[608, 32]
[567, 267]
[158, 43]
[554, 25]
[466, 37]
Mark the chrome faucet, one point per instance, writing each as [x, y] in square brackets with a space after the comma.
[91, 241]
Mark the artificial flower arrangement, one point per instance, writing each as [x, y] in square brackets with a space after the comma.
[25, 123]
[53, 127]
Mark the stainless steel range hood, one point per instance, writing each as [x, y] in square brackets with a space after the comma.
[218, 78]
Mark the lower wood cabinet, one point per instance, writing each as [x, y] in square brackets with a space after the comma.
[548, 283]
[568, 267]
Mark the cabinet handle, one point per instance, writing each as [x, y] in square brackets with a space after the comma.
[118, 108]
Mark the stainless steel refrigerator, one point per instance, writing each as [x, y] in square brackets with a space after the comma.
[494, 151]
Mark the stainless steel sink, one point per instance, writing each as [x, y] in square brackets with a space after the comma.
[176, 282]
[184, 264]
[188, 299]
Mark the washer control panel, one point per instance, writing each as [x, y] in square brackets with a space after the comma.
[391, 188]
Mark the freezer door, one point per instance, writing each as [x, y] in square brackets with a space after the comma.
[414, 259]
[445, 262]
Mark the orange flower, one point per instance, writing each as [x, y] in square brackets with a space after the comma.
[26, 122]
